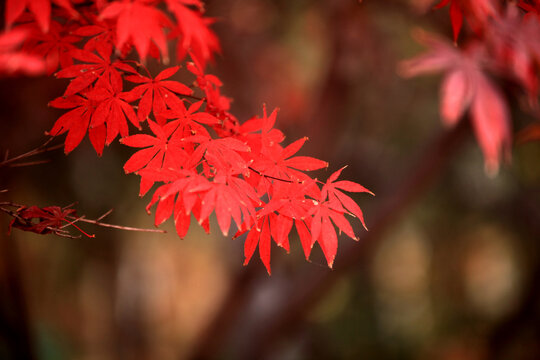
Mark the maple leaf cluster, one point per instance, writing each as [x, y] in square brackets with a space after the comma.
[40, 220]
[503, 42]
[199, 158]
[45, 220]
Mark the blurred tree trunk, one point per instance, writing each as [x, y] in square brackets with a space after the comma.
[15, 331]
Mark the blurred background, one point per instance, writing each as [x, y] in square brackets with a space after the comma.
[450, 268]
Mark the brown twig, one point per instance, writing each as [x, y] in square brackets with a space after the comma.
[13, 210]
[269, 176]
[30, 163]
[194, 97]
[39, 150]
[49, 229]
[127, 228]
[104, 215]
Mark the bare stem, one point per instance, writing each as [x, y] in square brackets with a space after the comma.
[269, 176]
[13, 210]
[39, 150]
[127, 228]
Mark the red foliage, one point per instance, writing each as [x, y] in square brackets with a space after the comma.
[200, 156]
[503, 42]
[13, 60]
[465, 85]
[46, 220]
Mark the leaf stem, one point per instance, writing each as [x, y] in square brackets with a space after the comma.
[270, 176]
[120, 227]
[39, 150]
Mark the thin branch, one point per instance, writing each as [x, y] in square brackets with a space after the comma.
[39, 150]
[127, 228]
[269, 176]
[13, 210]
[195, 97]
[9, 203]
[30, 163]
[104, 215]
[54, 230]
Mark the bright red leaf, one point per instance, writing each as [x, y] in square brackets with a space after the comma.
[140, 23]
[96, 68]
[74, 122]
[193, 29]
[158, 94]
[41, 9]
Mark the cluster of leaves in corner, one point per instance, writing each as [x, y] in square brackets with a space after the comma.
[503, 40]
[201, 158]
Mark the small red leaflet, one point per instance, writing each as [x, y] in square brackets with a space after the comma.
[466, 85]
[139, 23]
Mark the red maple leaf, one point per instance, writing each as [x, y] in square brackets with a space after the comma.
[40, 220]
[333, 192]
[293, 203]
[259, 236]
[270, 158]
[55, 46]
[112, 109]
[491, 123]
[476, 11]
[288, 205]
[466, 85]
[157, 151]
[13, 60]
[292, 199]
[196, 37]
[279, 162]
[268, 227]
[191, 120]
[323, 232]
[180, 186]
[516, 48]
[330, 210]
[75, 122]
[100, 110]
[95, 67]
[174, 147]
[224, 155]
[140, 23]
[44, 220]
[216, 104]
[158, 94]
[230, 197]
[99, 32]
[314, 219]
[456, 15]
[227, 196]
[41, 9]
